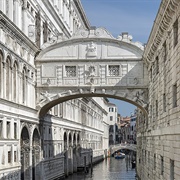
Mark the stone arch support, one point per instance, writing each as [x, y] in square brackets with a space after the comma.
[138, 97]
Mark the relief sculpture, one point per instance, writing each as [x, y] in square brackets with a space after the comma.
[91, 50]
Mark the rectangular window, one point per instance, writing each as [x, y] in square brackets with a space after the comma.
[157, 65]
[111, 118]
[162, 165]
[9, 156]
[164, 51]
[45, 31]
[8, 129]
[114, 70]
[164, 102]
[175, 32]
[1, 123]
[156, 108]
[15, 156]
[149, 157]
[151, 74]
[111, 109]
[174, 95]
[171, 169]
[15, 130]
[70, 71]
[154, 161]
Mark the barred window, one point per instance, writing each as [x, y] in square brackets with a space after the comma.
[71, 71]
[114, 70]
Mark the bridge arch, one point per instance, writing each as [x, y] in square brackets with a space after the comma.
[92, 63]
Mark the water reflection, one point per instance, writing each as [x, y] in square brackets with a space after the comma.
[109, 169]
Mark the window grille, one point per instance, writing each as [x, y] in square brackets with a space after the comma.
[114, 70]
[71, 71]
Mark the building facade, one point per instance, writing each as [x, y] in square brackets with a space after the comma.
[112, 121]
[133, 128]
[73, 133]
[158, 134]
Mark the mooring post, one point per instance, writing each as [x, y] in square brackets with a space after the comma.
[84, 164]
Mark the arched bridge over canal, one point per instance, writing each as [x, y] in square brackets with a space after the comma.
[91, 63]
[114, 148]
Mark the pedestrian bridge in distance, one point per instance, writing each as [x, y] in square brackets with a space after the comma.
[116, 147]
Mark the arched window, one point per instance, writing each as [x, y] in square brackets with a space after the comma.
[14, 93]
[24, 83]
[8, 76]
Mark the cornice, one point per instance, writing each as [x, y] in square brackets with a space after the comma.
[82, 13]
[6, 23]
[161, 24]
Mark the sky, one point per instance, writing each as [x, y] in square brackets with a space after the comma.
[133, 16]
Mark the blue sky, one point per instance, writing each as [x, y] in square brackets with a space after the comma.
[133, 16]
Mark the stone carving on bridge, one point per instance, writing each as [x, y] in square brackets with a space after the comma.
[46, 97]
[139, 97]
[91, 50]
[91, 73]
[99, 32]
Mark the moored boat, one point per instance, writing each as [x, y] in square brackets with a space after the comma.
[119, 156]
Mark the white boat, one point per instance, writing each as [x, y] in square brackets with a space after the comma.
[119, 155]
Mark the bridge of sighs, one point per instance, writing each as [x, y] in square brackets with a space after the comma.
[92, 63]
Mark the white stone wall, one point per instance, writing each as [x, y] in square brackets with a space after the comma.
[158, 134]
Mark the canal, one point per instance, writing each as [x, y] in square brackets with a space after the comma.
[109, 169]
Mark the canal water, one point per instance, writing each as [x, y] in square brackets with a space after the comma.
[109, 169]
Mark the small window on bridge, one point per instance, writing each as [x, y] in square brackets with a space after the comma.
[114, 70]
[70, 71]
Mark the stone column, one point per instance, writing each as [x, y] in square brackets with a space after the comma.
[3, 6]
[5, 153]
[11, 10]
[30, 155]
[4, 80]
[71, 22]
[20, 4]
[24, 19]
[4, 129]
[12, 153]
[60, 4]
[12, 129]
[16, 10]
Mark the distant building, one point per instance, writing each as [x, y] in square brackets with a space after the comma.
[112, 121]
[124, 129]
[133, 128]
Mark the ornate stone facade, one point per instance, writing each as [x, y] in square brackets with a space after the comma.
[26, 150]
[49, 55]
[158, 134]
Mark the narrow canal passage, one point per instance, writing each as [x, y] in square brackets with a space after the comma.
[109, 169]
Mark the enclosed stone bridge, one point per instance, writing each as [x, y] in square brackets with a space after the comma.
[91, 64]
[114, 148]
